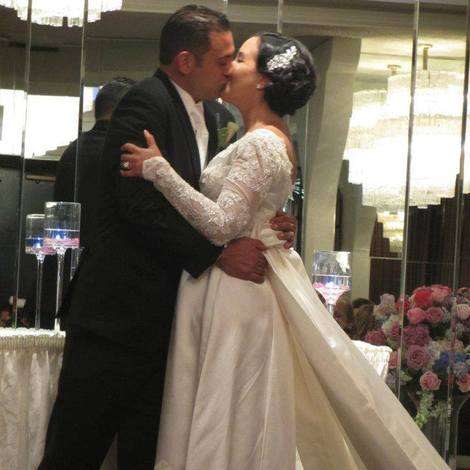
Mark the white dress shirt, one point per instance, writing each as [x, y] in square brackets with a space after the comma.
[196, 116]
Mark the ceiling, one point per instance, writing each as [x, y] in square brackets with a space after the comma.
[386, 28]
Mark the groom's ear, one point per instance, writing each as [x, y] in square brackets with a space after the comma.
[185, 62]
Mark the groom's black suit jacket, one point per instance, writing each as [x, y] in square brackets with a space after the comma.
[125, 288]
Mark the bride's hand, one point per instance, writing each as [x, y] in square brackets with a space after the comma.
[133, 156]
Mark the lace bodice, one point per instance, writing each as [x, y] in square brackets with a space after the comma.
[243, 185]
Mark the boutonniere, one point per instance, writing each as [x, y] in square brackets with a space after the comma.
[225, 134]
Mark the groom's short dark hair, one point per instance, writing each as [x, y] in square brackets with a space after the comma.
[188, 29]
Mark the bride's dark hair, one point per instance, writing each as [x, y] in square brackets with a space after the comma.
[289, 66]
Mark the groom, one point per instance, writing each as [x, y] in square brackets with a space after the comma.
[119, 308]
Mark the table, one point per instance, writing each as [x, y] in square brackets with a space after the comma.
[377, 356]
[30, 362]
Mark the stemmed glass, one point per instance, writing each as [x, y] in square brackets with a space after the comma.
[34, 245]
[331, 275]
[61, 231]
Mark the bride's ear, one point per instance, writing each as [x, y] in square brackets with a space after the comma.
[263, 82]
[185, 62]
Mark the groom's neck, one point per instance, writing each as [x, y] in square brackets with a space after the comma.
[182, 81]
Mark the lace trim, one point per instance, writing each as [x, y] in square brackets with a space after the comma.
[377, 356]
[259, 161]
[25, 338]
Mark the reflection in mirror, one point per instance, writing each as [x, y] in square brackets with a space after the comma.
[51, 124]
[436, 146]
[461, 407]
[13, 43]
[117, 55]
[436, 235]
[348, 204]
[354, 167]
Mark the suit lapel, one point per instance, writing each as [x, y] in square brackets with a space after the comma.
[188, 130]
[213, 133]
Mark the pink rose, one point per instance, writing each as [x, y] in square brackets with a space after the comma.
[417, 357]
[416, 334]
[395, 331]
[416, 315]
[376, 337]
[393, 360]
[429, 381]
[464, 383]
[434, 315]
[440, 292]
[462, 311]
[422, 297]
[406, 304]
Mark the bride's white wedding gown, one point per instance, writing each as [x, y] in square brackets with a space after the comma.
[256, 371]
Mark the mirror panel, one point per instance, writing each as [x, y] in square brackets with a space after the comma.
[13, 47]
[52, 124]
[356, 46]
[352, 139]
[436, 223]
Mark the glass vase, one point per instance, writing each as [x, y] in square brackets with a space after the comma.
[443, 434]
[61, 232]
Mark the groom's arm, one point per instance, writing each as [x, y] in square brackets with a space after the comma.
[143, 209]
[151, 216]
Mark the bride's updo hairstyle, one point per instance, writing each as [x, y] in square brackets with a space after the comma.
[288, 65]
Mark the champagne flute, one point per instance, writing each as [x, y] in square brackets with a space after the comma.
[61, 232]
[34, 245]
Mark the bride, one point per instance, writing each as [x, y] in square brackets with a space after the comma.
[258, 370]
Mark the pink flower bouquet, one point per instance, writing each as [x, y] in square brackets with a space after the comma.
[434, 345]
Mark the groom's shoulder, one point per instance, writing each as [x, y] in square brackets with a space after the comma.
[152, 87]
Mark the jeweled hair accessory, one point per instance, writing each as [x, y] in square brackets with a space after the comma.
[282, 60]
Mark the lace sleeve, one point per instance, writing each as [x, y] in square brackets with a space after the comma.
[258, 161]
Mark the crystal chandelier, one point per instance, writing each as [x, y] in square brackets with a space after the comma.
[377, 144]
[392, 223]
[52, 12]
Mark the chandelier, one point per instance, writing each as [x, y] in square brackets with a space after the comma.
[392, 224]
[377, 144]
[52, 12]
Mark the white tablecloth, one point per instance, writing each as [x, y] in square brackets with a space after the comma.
[30, 362]
[377, 356]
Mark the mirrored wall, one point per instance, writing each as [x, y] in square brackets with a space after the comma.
[383, 161]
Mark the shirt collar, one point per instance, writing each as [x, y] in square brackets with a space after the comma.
[188, 100]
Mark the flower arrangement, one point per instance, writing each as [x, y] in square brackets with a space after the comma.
[435, 349]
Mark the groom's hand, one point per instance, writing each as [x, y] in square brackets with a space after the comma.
[286, 225]
[243, 258]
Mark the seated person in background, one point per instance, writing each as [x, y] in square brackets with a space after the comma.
[342, 313]
[89, 147]
[360, 301]
[362, 318]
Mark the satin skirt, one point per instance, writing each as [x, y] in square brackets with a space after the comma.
[256, 372]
